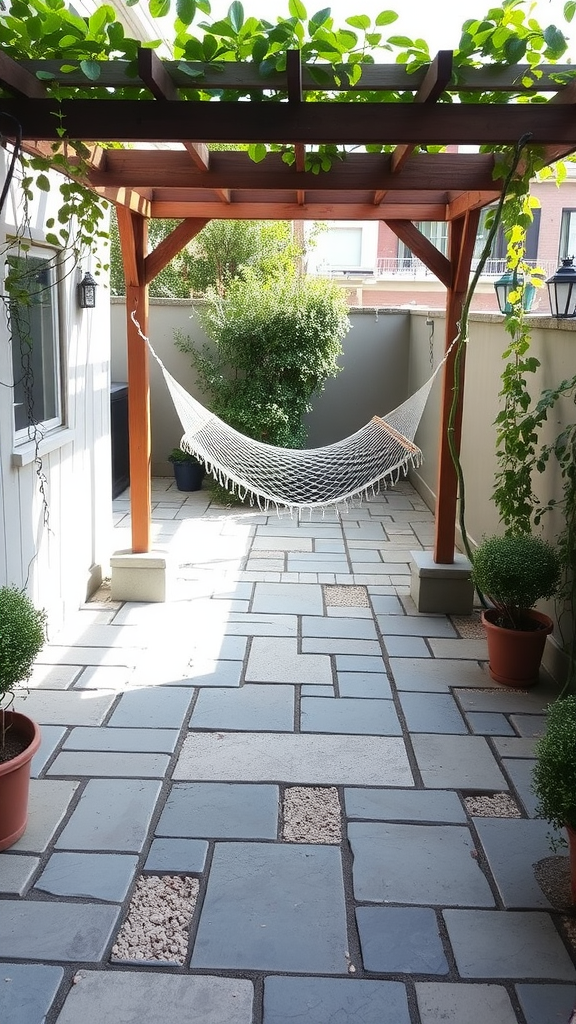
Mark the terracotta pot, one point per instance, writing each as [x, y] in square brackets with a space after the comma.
[515, 654]
[572, 851]
[15, 780]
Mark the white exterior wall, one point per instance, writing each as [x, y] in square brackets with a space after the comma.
[59, 562]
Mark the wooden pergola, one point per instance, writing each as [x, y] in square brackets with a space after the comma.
[188, 182]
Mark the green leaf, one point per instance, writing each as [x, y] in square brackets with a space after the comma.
[257, 152]
[236, 15]
[361, 21]
[297, 9]
[52, 239]
[43, 183]
[318, 74]
[386, 18]
[514, 49]
[570, 10]
[185, 10]
[159, 8]
[45, 76]
[555, 40]
[209, 46]
[319, 19]
[400, 41]
[259, 49]
[91, 69]
[185, 69]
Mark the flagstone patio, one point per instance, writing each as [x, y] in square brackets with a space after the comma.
[177, 738]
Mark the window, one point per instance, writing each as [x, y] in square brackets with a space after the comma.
[345, 247]
[497, 261]
[436, 231]
[568, 234]
[34, 322]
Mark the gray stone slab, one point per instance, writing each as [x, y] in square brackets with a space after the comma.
[100, 876]
[489, 723]
[316, 563]
[278, 661]
[432, 864]
[251, 624]
[432, 712]
[340, 645]
[51, 737]
[515, 746]
[416, 625]
[476, 650]
[436, 675]
[457, 762]
[274, 907]
[299, 599]
[162, 708]
[343, 1001]
[27, 992]
[114, 678]
[520, 774]
[349, 627]
[504, 700]
[464, 1004]
[335, 547]
[317, 691]
[513, 846]
[417, 805]
[38, 930]
[48, 802]
[220, 673]
[186, 856]
[77, 655]
[65, 707]
[251, 707]
[400, 940]
[129, 740]
[112, 814]
[359, 663]
[294, 543]
[106, 764]
[98, 635]
[150, 998]
[508, 944]
[349, 715]
[364, 684]
[16, 873]
[405, 646]
[220, 811]
[308, 759]
[546, 1004]
[529, 725]
[53, 677]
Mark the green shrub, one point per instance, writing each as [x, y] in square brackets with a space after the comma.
[554, 776]
[179, 455]
[516, 571]
[22, 636]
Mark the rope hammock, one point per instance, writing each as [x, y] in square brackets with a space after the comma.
[301, 478]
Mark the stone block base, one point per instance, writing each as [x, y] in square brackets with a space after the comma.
[145, 576]
[441, 587]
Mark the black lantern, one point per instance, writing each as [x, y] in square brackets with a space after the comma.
[87, 292]
[562, 290]
[510, 282]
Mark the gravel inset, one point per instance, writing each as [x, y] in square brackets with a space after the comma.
[495, 805]
[553, 877]
[345, 597]
[468, 626]
[158, 920]
[311, 814]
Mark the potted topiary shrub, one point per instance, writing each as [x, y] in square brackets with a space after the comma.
[514, 572]
[554, 776]
[188, 470]
[22, 635]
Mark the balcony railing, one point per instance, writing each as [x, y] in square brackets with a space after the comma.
[410, 267]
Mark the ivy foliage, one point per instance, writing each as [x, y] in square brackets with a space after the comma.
[275, 341]
[554, 777]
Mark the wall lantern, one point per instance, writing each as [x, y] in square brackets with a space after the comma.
[562, 290]
[511, 282]
[87, 292]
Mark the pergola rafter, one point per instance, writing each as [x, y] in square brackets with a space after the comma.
[183, 179]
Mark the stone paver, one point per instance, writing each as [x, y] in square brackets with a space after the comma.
[401, 940]
[338, 628]
[512, 847]
[416, 625]
[489, 723]
[457, 762]
[49, 931]
[546, 1004]
[432, 712]
[164, 708]
[52, 736]
[27, 992]
[140, 740]
[349, 715]
[177, 856]
[65, 707]
[16, 873]
[429, 864]
[220, 810]
[278, 661]
[404, 805]
[319, 1000]
[464, 1004]
[112, 765]
[437, 675]
[147, 998]
[304, 599]
[250, 922]
[97, 876]
[520, 775]
[306, 759]
[251, 707]
[112, 815]
[511, 945]
[364, 684]
[48, 802]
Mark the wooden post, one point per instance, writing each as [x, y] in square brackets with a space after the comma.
[133, 238]
[462, 237]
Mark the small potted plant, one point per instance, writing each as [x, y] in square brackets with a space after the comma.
[554, 776]
[188, 470]
[514, 572]
[22, 636]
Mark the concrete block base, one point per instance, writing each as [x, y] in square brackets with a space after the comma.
[440, 587]
[146, 576]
